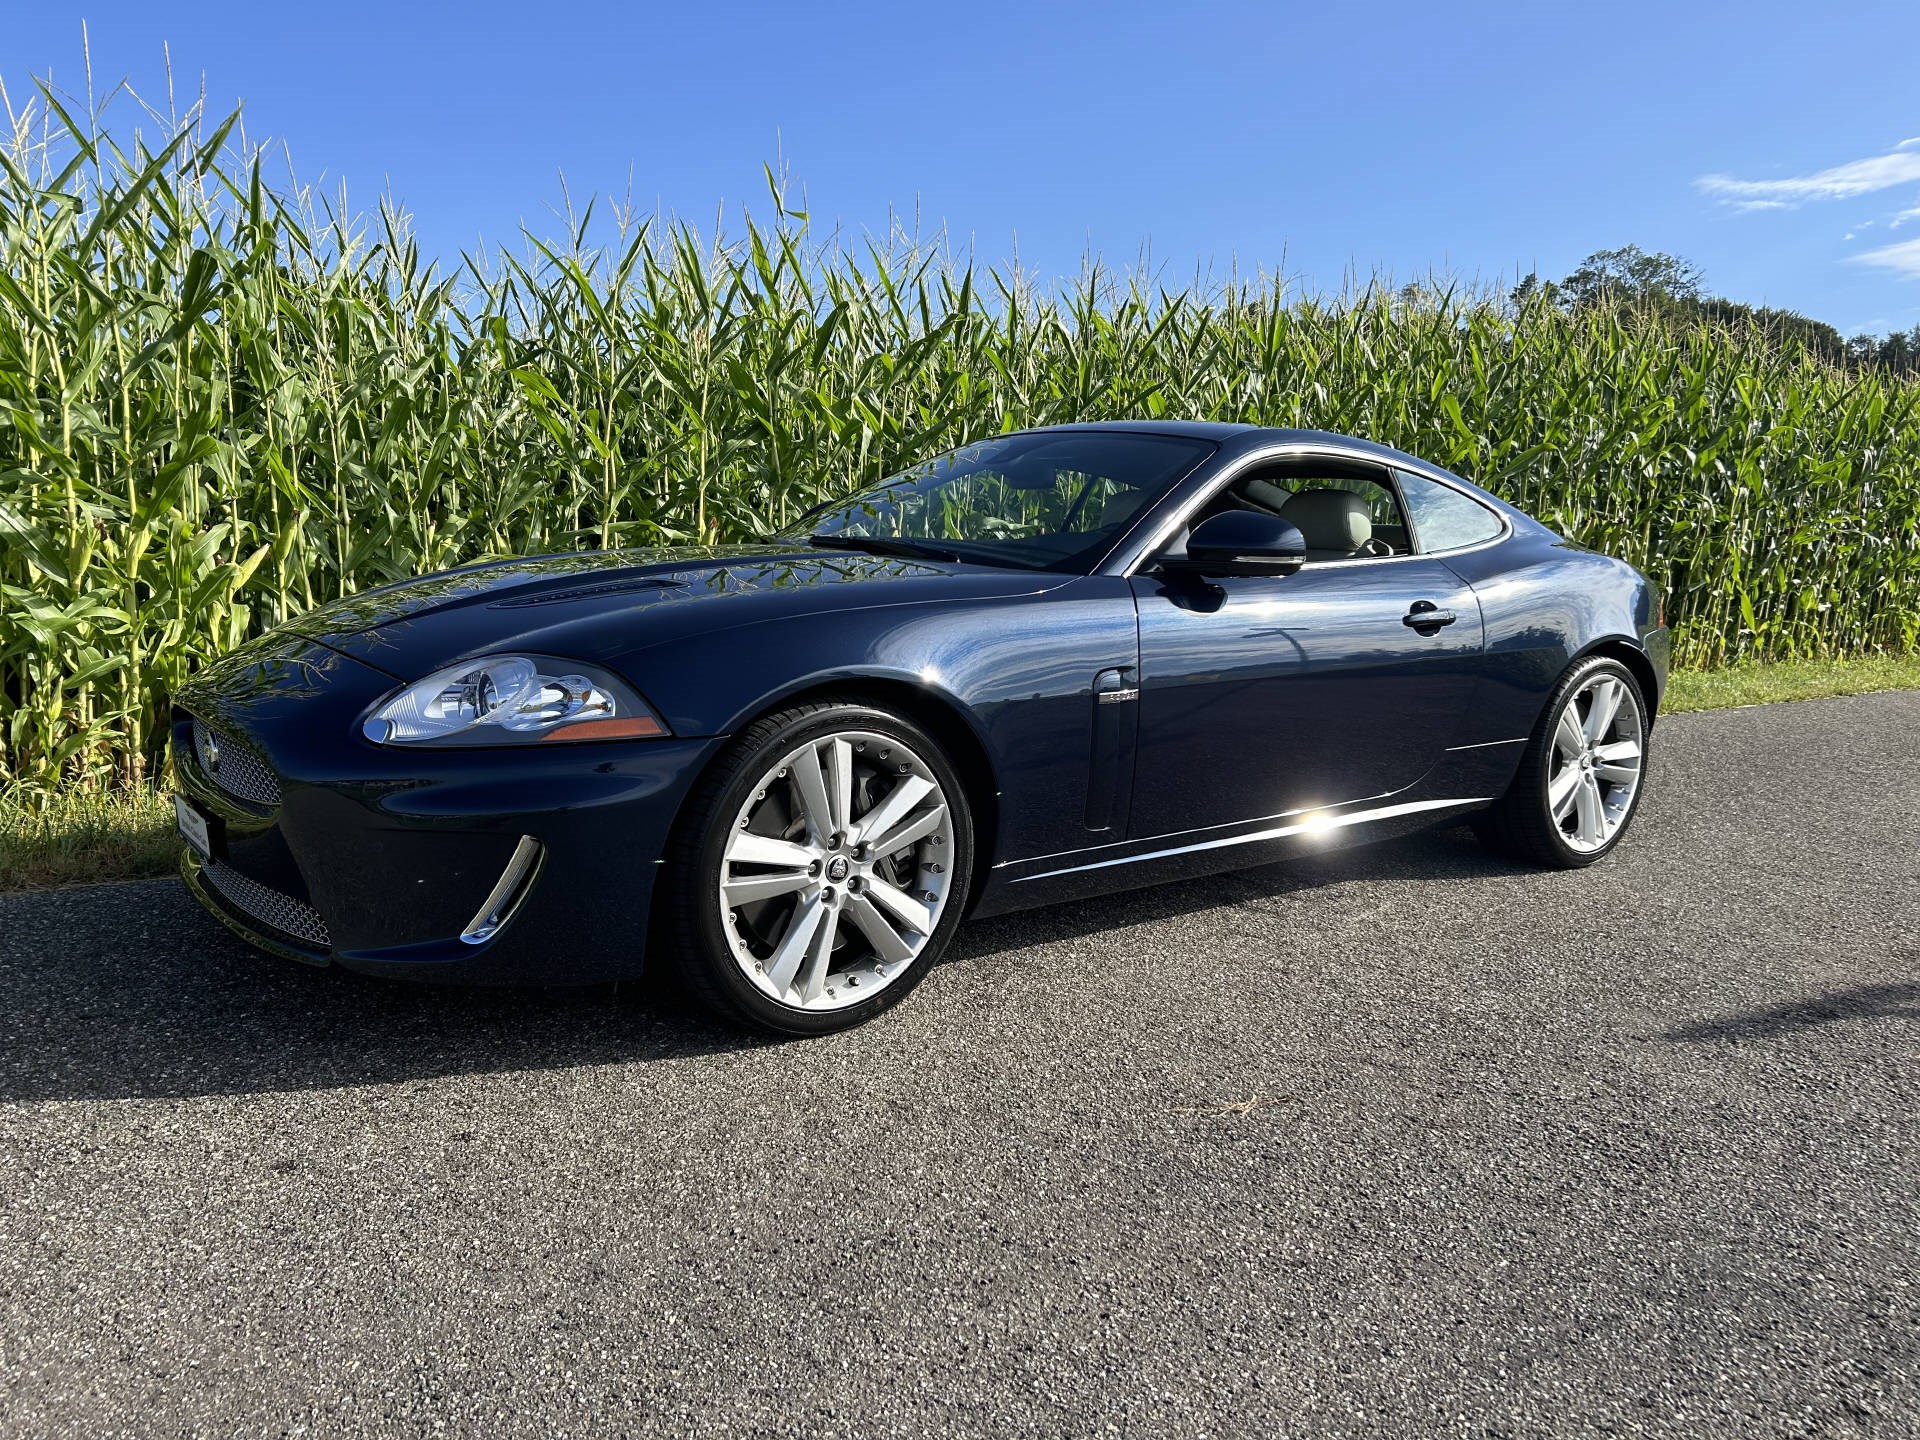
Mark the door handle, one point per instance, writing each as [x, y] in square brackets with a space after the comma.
[1425, 615]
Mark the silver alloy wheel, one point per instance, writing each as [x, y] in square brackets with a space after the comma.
[836, 870]
[1594, 772]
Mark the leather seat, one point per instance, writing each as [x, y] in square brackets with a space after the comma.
[1334, 523]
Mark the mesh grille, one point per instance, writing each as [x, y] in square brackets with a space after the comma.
[289, 916]
[239, 771]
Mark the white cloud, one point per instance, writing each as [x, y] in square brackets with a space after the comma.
[1904, 257]
[1913, 214]
[1900, 166]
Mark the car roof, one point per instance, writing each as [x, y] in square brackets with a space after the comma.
[1250, 437]
[1185, 429]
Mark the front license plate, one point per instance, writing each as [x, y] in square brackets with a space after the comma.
[194, 828]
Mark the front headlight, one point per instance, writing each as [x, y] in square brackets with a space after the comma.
[512, 700]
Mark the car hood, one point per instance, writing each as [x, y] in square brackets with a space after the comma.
[604, 605]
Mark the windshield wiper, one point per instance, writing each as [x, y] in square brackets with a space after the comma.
[880, 545]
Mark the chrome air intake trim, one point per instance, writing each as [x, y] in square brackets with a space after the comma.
[497, 909]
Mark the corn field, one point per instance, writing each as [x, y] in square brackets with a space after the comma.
[222, 403]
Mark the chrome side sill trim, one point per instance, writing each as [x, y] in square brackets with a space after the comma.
[1486, 744]
[1178, 834]
[1312, 825]
[507, 891]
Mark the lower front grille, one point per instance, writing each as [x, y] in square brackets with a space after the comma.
[233, 767]
[293, 918]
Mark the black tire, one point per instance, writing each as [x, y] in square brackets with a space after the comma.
[696, 925]
[1520, 825]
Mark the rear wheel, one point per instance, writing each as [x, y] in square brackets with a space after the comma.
[821, 869]
[1581, 778]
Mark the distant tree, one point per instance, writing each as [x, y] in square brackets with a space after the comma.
[1632, 276]
[1782, 327]
[1653, 281]
[1533, 291]
[1900, 352]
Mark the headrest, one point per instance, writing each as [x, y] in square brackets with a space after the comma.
[1333, 520]
[1265, 492]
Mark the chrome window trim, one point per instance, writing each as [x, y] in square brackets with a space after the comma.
[1308, 449]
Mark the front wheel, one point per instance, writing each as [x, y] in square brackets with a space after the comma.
[822, 867]
[1581, 778]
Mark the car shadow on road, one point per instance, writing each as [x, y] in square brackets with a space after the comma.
[132, 992]
[1448, 853]
[1859, 1002]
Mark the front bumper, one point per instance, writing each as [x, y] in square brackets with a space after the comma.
[332, 850]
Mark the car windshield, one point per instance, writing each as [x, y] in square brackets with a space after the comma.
[1043, 501]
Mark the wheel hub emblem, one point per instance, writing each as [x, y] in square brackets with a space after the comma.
[837, 868]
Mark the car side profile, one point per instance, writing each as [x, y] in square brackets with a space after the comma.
[1045, 666]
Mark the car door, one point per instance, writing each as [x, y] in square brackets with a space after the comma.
[1264, 695]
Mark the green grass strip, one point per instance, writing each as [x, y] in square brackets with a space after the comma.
[80, 838]
[1789, 680]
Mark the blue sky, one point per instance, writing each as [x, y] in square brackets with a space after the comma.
[1764, 142]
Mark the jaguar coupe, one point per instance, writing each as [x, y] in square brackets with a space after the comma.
[1044, 666]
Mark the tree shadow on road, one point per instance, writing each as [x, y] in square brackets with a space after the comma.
[1861, 1002]
[132, 992]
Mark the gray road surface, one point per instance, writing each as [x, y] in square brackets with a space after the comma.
[1401, 1141]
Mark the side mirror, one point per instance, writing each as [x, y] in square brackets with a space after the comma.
[1242, 542]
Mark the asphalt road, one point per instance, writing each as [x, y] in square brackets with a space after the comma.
[1400, 1141]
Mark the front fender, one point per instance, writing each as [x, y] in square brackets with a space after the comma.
[1018, 671]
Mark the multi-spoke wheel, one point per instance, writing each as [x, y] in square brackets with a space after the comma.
[1580, 779]
[831, 866]
[1595, 769]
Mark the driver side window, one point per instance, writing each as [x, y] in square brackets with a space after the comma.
[1343, 512]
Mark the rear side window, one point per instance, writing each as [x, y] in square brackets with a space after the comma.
[1443, 518]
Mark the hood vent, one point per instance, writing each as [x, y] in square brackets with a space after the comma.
[582, 592]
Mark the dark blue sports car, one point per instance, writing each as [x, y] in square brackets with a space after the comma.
[1043, 666]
